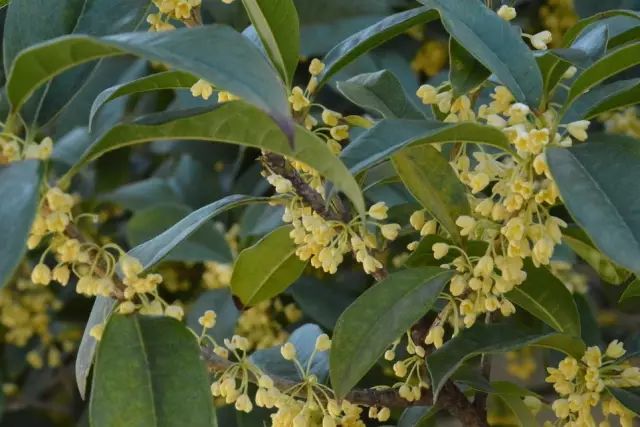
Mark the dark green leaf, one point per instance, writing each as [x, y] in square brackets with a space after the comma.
[159, 81]
[276, 22]
[429, 177]
[380, 92]
[579, 242]
[602, 99]
[20, 194]
[609, 65]
[495, 43]
[153, 251]
[493, 338]
[512, 397]
[633, 290]
[591, 334]
[322, 301]
[546, 297]
[149, 373]
[601, 198]
[417, 416]
[231, 63]
[363, 41]
[235, 123]
[267, 268]
[389, 136]
[465, 72]
[207, 243]
[142, 194]
[377, 318]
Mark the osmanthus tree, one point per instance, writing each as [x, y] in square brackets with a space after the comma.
[374, 254]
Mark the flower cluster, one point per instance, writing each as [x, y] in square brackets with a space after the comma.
[95, 266]
[431, 58]
[168, 10]
[263, 324]
[582, 384]
[624, 122]
[558, 16]
[14, 148]
[510, 192]
[412, 369]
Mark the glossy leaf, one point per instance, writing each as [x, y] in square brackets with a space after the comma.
[495, 43]
[378, 317]
[235, 123]
[417, 416]
[380, 92]
[609, 65]
[303, 338]
[363, 41]
[632, 290]
[276, 22]
[580, 243]
[543, 295]
[600, 198]
[604, 98]
[153, 251]
[465, 72]
[267, 268]
[20, 194]
[149, 373]
[207, 243]
[231, 63]
[100, 312]
[431, 179]
[159, 81]
[389, 136]
[493, 338]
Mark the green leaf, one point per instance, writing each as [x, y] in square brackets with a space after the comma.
[583, 24]
[380, 92]
[590, 331]
[363, 41]
[391, 135]
[378, 317]
[159, 81]
[153, 251]
[20, 194]
[100, 312]
[207, 243]
[235, 123]
[42, 26]
[430, 179]
[602, 200]
[579, 242]
[303, 338]
[543, 295]
[465, 72]
[276, 22]
[629, 398]
[604, 98]
[149, 373]
[231, 62]
[495, 43]
[493, 338]
[609, 65]
[267, 268]
[633, 290]
[417, 416]
[512, 395]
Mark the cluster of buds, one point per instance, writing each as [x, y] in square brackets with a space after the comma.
[13, 149]
[582, 383]
[412, 369]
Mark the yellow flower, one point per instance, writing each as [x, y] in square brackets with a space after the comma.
[478, 181]
[330, 118]
[97, 331]
[298, 100]
[339, 133]
[61, 274]
[378, 211]
[435, 336]
[41, 275]
[592, 357]
[417, 220]
[466, 224]
[615, 349]
[288, 351]
[202, 88]
[541, 40]
[208, 319]
[323, 343]
[390, 231]
[427, 94]
[429, 228]
[578, 129]
[316, 67]
[440, 250]
[174, 311]
[507, 13]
